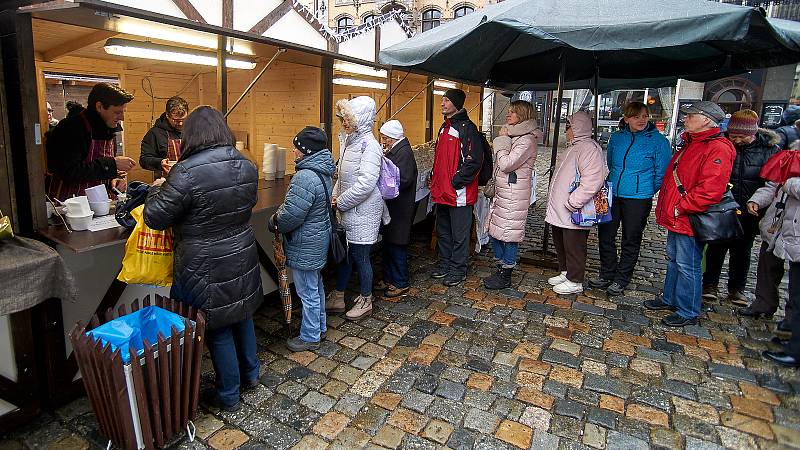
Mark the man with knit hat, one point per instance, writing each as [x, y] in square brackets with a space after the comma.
[754, 147]
[397, 234]
[304, 221]
[454, 186]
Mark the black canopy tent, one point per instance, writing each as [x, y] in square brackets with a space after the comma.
[604, 45]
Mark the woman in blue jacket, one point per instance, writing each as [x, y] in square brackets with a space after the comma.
[638, 155]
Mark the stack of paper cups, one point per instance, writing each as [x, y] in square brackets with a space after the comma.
[280, 169]
[269, 161]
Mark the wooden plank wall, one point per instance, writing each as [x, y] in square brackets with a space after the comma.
[412, 116]
[143, 110]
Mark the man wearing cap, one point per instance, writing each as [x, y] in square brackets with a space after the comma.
[397, 234]
[703, 167]
[304, 221]
[754, 147]
[454, 186]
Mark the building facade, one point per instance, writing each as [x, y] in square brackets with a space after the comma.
[420, 15]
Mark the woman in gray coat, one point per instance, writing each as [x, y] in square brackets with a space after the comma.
[358, 200]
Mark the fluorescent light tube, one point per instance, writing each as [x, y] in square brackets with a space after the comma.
[444, 84]
[148, 50]
[359, 83]
[438, 93]
[359, 69]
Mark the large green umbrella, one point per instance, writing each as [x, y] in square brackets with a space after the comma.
[631, 43]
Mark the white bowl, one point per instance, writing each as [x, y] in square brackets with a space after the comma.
[79, 223]
[100, 208]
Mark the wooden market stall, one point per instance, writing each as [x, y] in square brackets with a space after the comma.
[60, 55]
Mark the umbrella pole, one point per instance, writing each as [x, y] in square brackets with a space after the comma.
[597, 98]
[556, 127]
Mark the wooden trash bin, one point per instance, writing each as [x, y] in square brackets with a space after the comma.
[145, 403]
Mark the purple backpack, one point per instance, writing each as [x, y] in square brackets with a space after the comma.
[389, 179]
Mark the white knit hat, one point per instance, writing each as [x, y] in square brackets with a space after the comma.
[393, 129]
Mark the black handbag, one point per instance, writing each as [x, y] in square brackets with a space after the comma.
[338, 244]
[720, 222]
[136, 196]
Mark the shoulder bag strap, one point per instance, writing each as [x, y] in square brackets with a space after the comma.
[328, 198]
[678, 184]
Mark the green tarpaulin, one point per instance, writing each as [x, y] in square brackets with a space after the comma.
[632, 43]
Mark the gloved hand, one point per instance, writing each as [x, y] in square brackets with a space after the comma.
[272, 224]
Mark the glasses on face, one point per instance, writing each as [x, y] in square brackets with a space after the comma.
[178, 120]
[567, 126]
[49, 110]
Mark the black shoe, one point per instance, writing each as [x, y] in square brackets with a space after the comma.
[249, 386]
[211, 400]
[674, 320]
[749, 312]
[499, 280]
[439, 272]
[615, 289]
[779, 341]
[598, 283]
[454, 280]
[783, 325]
[657, 304]
[781, 358]
[298, 345]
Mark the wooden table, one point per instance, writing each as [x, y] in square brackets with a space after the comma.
[60, 369]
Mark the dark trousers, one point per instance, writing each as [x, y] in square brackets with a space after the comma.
[395, 265]
[358, 255]
[631, 214]
[453, 227]
[768, 279]
[739, 260]
[233, 354]
[571, 251]
[794, 298]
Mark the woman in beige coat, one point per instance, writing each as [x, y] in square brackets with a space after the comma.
[514, 156]
[585, 157]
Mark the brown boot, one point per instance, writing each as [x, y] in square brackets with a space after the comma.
[710, 293]
[737, 298]
[334, 303]
[392, 291]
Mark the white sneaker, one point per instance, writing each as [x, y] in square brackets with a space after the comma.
[362, 308]
[568, 287]
[558, 279]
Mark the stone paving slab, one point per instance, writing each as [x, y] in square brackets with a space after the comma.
[465, 368]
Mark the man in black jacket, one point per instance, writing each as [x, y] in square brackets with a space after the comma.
[162, 143]
[754, 147]
[80, 149]
[788, 132]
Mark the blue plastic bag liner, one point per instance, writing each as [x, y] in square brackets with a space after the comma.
[132, 329]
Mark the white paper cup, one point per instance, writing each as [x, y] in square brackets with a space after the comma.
[97, 193]
[79, 223]
[78, 206]
[100, 208]
[240, 145]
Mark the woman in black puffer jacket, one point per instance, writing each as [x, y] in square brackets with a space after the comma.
[207, 199]
[754, 146]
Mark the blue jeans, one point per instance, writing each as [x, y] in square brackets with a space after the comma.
[395, 265]
[506, 252]
[359, 256]
[312, 294]
[683, 285]
[233, 353]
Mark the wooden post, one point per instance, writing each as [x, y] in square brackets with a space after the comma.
[326, 102]
[429, 110]
[222, 74]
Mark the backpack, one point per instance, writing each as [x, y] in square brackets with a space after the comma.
[389, 179]
[487, 168]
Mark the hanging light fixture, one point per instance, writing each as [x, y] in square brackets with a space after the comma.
[342, 66]
[161, 52]
[359, 83]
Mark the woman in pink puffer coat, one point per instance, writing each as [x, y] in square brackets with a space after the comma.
[514, 158]
[585, 156]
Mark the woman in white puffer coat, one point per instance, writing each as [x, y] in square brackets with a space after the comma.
[514, 159]
[358, 200]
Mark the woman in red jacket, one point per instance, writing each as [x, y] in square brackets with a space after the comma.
[703, 167]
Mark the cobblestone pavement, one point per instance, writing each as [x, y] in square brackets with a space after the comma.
[463, 367]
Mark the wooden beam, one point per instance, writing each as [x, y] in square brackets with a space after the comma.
[189, 10]
[222, 74]
[271, 18]
[326, 100]
[227, 14]
[76, 44]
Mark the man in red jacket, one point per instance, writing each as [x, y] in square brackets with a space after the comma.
[454, 186]
[703, 167]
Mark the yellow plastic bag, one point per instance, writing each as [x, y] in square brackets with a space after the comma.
[148, 254]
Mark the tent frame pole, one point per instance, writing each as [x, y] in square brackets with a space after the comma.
[253, 83]
[596, 82]
[556, 130]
